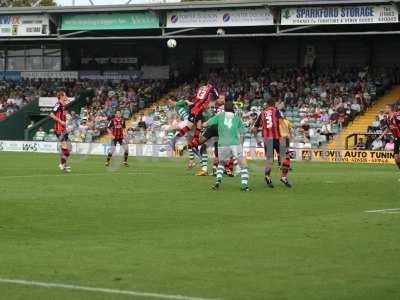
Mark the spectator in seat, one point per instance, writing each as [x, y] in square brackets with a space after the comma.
[381, 116]
[360, 145]
[40, 135]
[389, 145]
[377, 144]
[376, 124]
[355, 107]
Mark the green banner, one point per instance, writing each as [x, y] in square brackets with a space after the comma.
[112, 21]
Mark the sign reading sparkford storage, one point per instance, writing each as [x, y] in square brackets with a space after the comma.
[112, 21]
[366, 14]
[220, 18]
[29, 25]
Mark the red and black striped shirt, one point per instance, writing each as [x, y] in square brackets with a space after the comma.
[203, 98]
[117, 125]
[60, 112]
[268, 121]
[393, 122]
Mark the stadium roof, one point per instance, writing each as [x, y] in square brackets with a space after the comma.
[184, 6]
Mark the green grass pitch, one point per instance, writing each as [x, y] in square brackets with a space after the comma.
[154, 227]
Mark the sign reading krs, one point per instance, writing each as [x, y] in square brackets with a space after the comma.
[26, 25]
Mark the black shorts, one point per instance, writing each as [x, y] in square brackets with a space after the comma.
[63, 137]
[211, 132]
[397, 146]
[117, 141]
[193, 119]
[275, 145]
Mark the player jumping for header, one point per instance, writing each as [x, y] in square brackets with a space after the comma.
[199, 104]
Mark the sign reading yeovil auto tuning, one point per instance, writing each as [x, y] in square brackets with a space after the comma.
[220, 18]
[20, 25]
[366, 14]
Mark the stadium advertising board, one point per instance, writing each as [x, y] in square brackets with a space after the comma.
[220, 18]
[348, 156]
[83, 148]
[50, 74]
[110, 75]
[213, 56]
[10, 75]
[24, 25]
[106, 60]
[114, 21]
[22, 146]
[366, 14]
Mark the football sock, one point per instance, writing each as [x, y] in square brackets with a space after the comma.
[196, 137]
[109, 157]
[204, 161]
[64, 156]
[191, 154]
[229, 166]
[220, 172]
[244, 175]
[182, 131]
[267, 171]
[126, 156]
[285, 168]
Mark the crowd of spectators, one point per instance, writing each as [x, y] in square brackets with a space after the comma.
[16, 94]
[105, 98]
[317, 103]
[375, 140]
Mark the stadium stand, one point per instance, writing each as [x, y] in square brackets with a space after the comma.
[363, 123]
[317, 103]
[375, 140]
[91, 121]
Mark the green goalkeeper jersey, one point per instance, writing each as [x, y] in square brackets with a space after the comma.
[229, 128]
[182, 109]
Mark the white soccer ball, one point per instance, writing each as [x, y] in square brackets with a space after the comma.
[171, 43]
[220, 31]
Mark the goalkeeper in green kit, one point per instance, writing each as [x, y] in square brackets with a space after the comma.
[230, 144]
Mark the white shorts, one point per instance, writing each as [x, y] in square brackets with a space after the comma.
[226, 152]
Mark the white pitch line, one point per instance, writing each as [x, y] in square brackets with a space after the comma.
[75, 174]
[386, 210]
[99, 290]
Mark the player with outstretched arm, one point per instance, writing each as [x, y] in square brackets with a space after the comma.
[59, 115]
